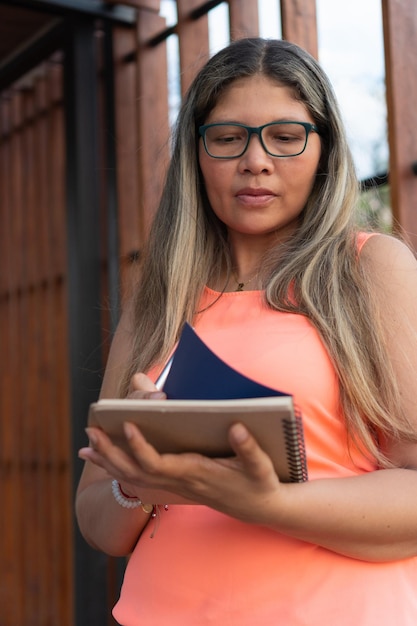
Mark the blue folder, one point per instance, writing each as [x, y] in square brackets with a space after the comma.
[197, 373]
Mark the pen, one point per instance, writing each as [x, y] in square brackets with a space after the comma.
[160, 381]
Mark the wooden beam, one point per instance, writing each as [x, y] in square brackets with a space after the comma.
[193, 41]
[244, 18]
[153, 121]
[126, 144]
[299, 24]
[400, 35]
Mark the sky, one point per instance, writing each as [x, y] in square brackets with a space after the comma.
[350, 51]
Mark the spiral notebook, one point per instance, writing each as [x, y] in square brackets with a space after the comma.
[205, 397]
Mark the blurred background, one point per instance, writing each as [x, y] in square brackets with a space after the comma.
[89, 90]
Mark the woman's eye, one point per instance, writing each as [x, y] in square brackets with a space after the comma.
[284, 138]
[229, 138]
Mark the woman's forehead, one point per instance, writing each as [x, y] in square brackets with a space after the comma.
[257, 96]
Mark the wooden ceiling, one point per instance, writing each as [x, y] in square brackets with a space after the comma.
[24, 21]
[19, 26]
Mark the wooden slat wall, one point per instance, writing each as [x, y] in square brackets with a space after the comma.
[35, 456]
[152, 114]
[299, 23]
[400, 35]
[125, 94]
[193, 40]
[35, 461]
[244, 19]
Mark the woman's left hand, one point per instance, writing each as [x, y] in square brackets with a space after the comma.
[241, 486]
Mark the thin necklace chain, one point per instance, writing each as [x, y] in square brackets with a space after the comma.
[241, 285]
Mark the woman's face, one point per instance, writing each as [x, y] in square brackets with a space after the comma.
[257, 195]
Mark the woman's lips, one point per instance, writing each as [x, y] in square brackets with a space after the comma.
[255, 197]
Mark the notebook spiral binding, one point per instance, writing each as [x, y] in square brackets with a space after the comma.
[295, 446]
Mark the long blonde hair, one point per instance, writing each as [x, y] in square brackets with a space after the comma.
[318, 265]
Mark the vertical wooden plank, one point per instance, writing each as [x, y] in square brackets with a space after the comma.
[60, 434]
[193, 40]
[400, 35]
[56, 161]
[125, 94]
[43, 295]
[18, 336]
[153, 129]
[5, 266]
[299, 23]
[109, 185]
[244, 18]
[17, 183]
[11, 590]
[59, 415]
[29, 316]
[57, 379]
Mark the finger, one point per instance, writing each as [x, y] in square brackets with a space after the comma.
[111, 458]
[165, 467]
[141, 382]
[147, 395]
[141, 387]
[145, 454]
[253, 458]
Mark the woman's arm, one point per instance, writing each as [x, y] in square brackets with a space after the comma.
[370, 517]
[104, 524]
[373, 516]
[102, 521]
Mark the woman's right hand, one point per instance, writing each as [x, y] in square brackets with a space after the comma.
[141, 387]
[110, 458]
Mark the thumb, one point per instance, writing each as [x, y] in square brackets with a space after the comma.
[141, 386]
[246, 448]
[141, 382]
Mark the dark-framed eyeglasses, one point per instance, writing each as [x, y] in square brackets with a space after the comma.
[279, 139]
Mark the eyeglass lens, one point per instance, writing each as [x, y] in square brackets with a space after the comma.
[281, 139]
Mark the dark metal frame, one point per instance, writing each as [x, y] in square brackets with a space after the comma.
[91, 8]
[83, 285]
[374, 181]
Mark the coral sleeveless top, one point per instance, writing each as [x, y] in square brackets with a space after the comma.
[205, 568]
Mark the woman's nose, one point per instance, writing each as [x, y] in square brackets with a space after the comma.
[255, 158]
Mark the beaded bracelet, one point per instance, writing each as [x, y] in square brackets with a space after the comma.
[129, 502]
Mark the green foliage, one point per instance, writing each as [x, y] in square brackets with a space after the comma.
[374, 210]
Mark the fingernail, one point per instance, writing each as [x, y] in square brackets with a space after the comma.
[128, 428]
[239, 432]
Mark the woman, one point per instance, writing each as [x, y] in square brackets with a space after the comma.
[255, 244]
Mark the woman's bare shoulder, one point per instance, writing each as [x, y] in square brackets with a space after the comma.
[390, 261]
[387, 249]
